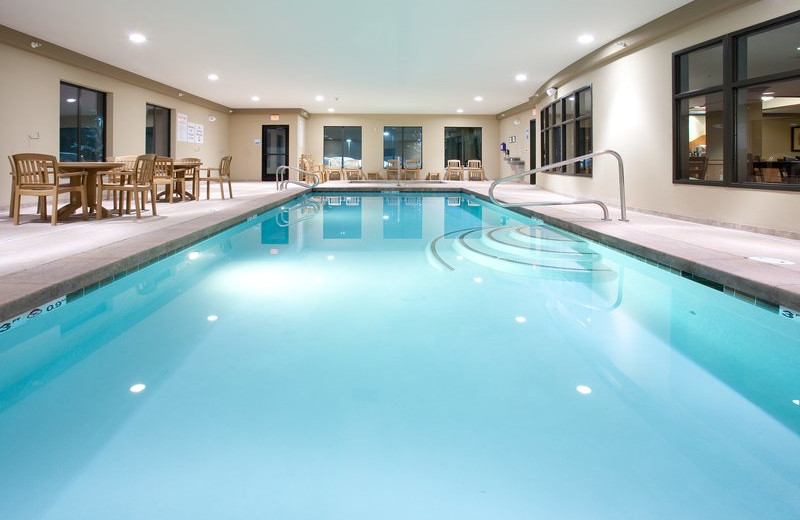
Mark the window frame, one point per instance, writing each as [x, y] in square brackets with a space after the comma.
[103, 101]
[152, 140]
[559, 135]
[730, 88]
[464, 135]
[402, 142]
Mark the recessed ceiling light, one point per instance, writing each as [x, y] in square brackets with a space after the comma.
[520, 77]
[585, 38]
[460, 110]
[478, 98]
[213, 77]
[331, 109]
[255, 98]
[137, 38]
[320, 98]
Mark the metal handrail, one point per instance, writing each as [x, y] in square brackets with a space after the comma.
[283, 219]
[280, 183]
[544, 169]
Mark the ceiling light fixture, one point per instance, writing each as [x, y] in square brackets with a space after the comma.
[478, 98]
[521, 77]
[255, 98]
[137, 38]
[585, 38]
[551, 92]
[331, 109]
[460, 110]
[320, 98]
[36, 45]
[213, 77]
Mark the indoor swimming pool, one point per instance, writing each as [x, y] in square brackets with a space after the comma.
[400, 355]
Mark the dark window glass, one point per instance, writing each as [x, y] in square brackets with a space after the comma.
[403, 143]
[82, 124]
[567, 132]
[768, 133]
[702, 138]
[700, 69]
[462, 143]
[157, 131]
[768, 52]
[342, 146]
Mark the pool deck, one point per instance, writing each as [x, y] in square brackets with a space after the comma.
[39, 262]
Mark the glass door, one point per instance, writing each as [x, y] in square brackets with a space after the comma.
[274, 150]
[532, 144]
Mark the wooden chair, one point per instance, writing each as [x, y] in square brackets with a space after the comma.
[191, 173]
[454, 171]
[220, 175]
[393, 169]
[352, 174]
[475, 170]
[37, 175]
[137, 181]
[165, 175]
[333, 171]
[412, 169]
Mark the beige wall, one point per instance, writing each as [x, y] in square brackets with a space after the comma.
[432, 137]
[632, 114]
[29, 102]
[246, 146]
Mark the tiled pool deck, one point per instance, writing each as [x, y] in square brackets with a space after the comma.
[39, 263]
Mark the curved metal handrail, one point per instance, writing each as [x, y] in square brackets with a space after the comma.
[544, 169]
[283, 218]
[280, 183]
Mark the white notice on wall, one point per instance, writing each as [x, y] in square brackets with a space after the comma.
[198, 133]
[182, 123]
[190, 132]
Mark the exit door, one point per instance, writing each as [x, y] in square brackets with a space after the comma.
[274, 150]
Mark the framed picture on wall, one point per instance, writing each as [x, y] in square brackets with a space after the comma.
[796, 138]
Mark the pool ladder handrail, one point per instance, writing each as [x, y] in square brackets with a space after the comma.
[545, 169]
[283, 218]
[281, 184]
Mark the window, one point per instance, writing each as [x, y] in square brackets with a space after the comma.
[82, 132]
[156, 132]
[567, 132]
[462, 143]
[342, 146]
[403, 143]
[737, 108]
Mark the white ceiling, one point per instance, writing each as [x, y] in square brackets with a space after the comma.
[364, 56]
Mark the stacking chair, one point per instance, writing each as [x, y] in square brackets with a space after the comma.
[37, 175]
[191, 172]
[412, 169]
[454, 170]
[165, 175]
[220, 174]
[474, 170]
[393, 169]
[352, 174]
[137, 181]
[331, 172]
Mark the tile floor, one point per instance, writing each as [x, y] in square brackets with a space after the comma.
[39, 262]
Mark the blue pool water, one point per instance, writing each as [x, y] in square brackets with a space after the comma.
[400, 356]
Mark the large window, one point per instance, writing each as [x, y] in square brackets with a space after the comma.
[403, 143]
[82, 132]
[737, 108]
[342, 146]
[462, 143]
[156, 131]
[567, 132]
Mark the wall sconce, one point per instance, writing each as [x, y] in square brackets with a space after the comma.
[551, 92]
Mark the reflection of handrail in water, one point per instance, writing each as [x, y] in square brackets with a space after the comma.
[283, 220]
[281, 184]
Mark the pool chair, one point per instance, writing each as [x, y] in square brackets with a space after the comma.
[138, 182]
[393, 169]
[352, 174]
[37, 175]
[220, 174]
[474, 170]
[333, 173]
[454, 171]
[411, 170]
